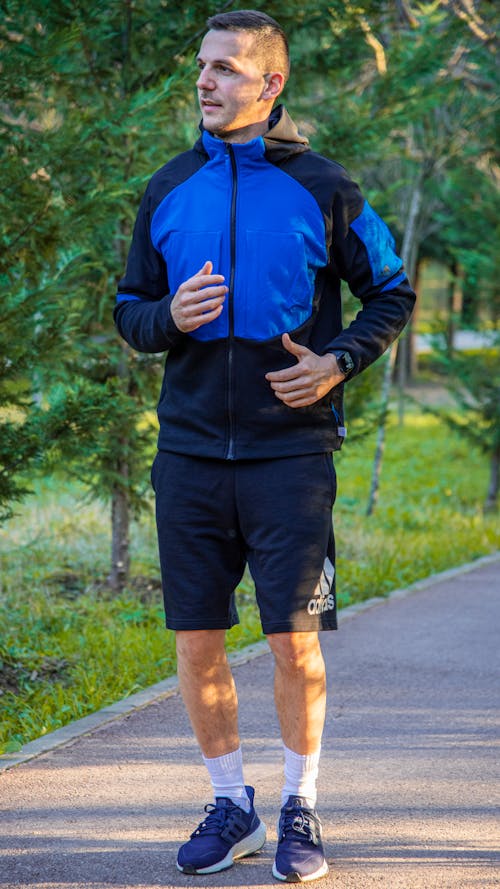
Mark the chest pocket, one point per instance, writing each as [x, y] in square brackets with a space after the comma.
[185, 253]
[276, 292]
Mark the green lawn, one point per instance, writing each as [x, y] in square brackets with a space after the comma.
[67, 647]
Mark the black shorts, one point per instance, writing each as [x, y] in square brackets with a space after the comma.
[214, 516]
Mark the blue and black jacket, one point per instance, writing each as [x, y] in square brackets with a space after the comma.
[283, 225]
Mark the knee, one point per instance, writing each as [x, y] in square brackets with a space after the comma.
[200, 649]
[296, 652]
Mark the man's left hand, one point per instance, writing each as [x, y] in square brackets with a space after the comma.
[307, 381]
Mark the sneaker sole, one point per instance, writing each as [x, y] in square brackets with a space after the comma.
[246, 846]
[294, 877]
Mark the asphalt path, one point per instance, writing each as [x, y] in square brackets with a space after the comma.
[408, 781]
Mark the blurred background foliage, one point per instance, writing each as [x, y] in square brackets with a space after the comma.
[94, 98]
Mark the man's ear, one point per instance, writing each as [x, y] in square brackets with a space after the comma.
[274, 85]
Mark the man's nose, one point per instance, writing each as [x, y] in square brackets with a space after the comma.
[205, 81]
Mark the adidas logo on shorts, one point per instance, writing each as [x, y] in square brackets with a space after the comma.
[323, 598]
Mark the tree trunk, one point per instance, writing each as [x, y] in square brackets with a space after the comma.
[120, 500]
[492, 496]
[454, 305]
[412, 339]
[379, 450]
[409, 257]
[120, 538]
[120, 497]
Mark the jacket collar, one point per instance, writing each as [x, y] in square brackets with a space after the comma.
[281, 140]
[215, 147]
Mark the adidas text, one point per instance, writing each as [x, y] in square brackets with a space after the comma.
[320, 604]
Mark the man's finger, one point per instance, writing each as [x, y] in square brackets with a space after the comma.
[201, 307]
[195, 299]
[293, 385]
[283, 376]
[199, 296]
[202, 278]
[294, 348]
[296, 399]
[205, 282]
[206, 269]
[206, 318]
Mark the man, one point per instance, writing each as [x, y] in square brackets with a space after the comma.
[235, 268]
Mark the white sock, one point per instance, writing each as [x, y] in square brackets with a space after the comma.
[301, 773]
[226, 775]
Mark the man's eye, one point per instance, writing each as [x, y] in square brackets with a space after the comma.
[224, 69]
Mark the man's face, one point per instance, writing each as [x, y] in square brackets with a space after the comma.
[231, 86]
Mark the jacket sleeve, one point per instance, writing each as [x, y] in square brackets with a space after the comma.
[142, 311]
[364, 256]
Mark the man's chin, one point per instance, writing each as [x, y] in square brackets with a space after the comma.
[215, 129]
[211, 119]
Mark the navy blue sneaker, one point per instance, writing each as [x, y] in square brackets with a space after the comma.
[299, 856]
[227, 833]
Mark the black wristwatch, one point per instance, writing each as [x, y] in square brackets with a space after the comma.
[345, 362]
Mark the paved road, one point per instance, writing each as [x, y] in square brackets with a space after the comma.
[408, 775]
[463, 340]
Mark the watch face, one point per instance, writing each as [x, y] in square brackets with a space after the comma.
[345, 362]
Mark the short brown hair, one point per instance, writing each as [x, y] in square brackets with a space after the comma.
[271, 44]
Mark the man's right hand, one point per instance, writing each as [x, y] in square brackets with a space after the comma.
[198, 300]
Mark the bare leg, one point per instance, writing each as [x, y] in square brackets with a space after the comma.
[208, 690]
[299, 689]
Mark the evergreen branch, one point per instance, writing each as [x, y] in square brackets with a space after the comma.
[405, 13]
[33, 221]
[465, 11]
[187, 43]
[375, 44]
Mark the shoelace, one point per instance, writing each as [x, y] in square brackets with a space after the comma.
[215, 820]
[302, 823]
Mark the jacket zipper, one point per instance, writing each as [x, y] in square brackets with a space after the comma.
[230, 354]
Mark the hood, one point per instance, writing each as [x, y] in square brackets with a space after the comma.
[283, 138]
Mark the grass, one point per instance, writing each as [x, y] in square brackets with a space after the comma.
[68, 647]
[429, 516]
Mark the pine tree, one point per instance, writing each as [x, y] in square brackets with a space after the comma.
[96, 98]
[33, 329]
